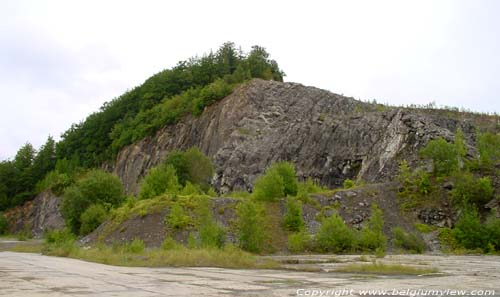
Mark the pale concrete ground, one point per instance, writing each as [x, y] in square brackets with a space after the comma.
[23, 274]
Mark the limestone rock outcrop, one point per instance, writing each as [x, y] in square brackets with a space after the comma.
[329, 137]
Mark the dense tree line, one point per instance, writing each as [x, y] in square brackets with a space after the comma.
[19, 176]
[162, 99]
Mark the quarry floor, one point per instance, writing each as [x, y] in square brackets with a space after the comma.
[24, 274]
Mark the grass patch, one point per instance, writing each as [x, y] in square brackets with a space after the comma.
[228, 257]
[171, 253]
[8, 236]
[27, 248]
[425, 228]
[388, 269]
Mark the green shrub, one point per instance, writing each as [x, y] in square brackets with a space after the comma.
[190, 189]
[405, 176]
[278, 181]
[443, 154]
[468, 189]
[4, 224]
[24, 234]
[287, 172]
[306, 188]
[348, 183]
[92, 218]
[269, 187]
[54, 181]
[191, 241]
[59, 237]
[407, 241]
[299, 242]
[251, 226]
[135, 247]
[170, 244]
[309, 186]
[415, 186]
[212, 235]
[303, 196]
[447, 240]
[192, 166]
[371, 236]
[293, 220]
[59, 243]
[211, 93]
[4, 199]
[159, 180]
[334, 235]
[211, 192]
[422, 182]
[469, 232]
[97, 187]
[493, 229]
[177, 217]
[488, 145]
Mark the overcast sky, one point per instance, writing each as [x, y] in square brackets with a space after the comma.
[61, 60]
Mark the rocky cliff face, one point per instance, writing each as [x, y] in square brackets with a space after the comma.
[39, 215]
[329, 137]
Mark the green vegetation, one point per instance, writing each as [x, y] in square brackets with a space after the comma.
[211, 234]
[424, 228]
[62, 244]
[191, 166]
[469, 189]
[293, 217]
[4, 225]
[163, 99]
[488, 145]
[417, 187]
[269, 187]
[251, 226]
[59, 243]
[24, 235]
[299, 242]
[468, 230]
[389, 269]
[371, 236]
[55, 182]
[177, 217]
[19, 176]
[92, 218]
[407, 241]
[286, 171]
[136, 246]
[334, 235]
[447, 240]
[96, 187]
[348, 183]
[278, 181]
[190, 169]
[159, 180]
[444, 156]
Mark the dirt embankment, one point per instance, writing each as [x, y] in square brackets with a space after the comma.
[354, 205]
